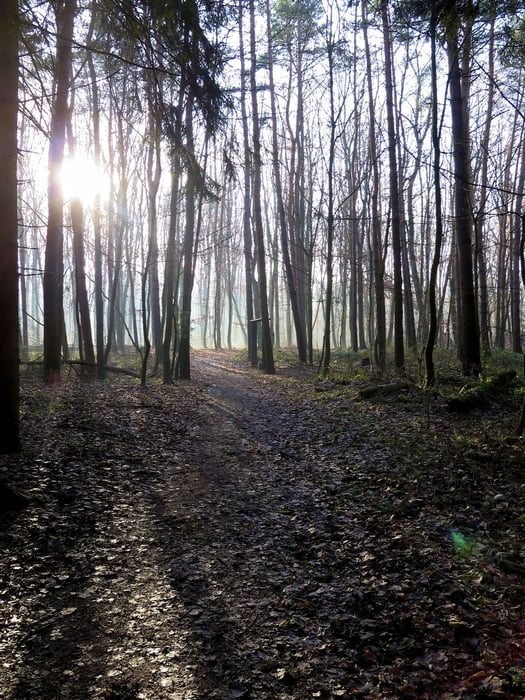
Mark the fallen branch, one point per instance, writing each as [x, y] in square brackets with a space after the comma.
[383, 389]
[512, 567]
[108, 368]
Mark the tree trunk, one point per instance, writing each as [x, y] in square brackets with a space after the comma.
[9, 379]
[170, 280]
[183, 360]
[251, 328]
[408, 297]
[268, 365]
[116, 267]
[516, 136]
[430, 375]
[399, 351]
[230, 277]
[377, 253]
[53, 265]
[330, 213]
[298, 318]
[218, 305]
[353, 308]
[23, 265]
[97, 228]
[515, 284]
[479, 224]
[468, 330]
[296, 208]
[145, 316]
[521, 425]
[154, 170]
[273, 298]
[85, 333]
[86, 349]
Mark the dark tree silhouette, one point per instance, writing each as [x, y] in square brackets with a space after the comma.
[9, 433]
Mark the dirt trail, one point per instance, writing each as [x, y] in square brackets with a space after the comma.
[244, 509]
[163, 550]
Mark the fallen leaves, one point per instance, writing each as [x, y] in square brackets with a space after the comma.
[245, 540]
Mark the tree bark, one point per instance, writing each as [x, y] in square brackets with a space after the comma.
[9, 377]
[515, 242]
[378, 265]
[251, 328]
[97, 226]
[53, 265]
[479, 224]
[298, 318]
[268, 365]
[170, 277]
[430, 374]
[330, 213]
[154, 170]
[85, 332]
[468, 329]
[183, 360]
[399, 351]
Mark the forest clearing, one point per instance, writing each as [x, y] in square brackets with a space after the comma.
[244, 535]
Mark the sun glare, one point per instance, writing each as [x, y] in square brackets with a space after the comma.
[81, 179]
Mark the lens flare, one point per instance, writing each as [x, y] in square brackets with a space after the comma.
[463, 544]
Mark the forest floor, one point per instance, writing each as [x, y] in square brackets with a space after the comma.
[262, 537]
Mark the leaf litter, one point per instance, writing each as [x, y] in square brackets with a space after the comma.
[244, 536]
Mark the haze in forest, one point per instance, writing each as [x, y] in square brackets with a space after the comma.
[323, 176]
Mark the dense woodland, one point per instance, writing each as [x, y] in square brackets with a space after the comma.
[260, 174]
[315, 212]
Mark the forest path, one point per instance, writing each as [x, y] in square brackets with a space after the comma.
[246, 536]
[243, 519]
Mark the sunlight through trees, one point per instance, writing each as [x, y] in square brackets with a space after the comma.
[332, 176]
